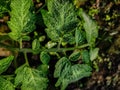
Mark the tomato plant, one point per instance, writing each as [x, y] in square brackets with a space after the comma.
[69, 35]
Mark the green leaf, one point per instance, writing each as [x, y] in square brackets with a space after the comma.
[44, 68]
[60, 18]
[72, 74]
[94, 53]
[5, 63]
[36, 46]
[22, 20]
[91, 28]
[69, 38]
[67, 73]
[79, 36]
[60, 65]
[6, 85]
[44, 57]
[19, 75]
[61, 80]
[74, 56]
[26, 38]
[79, 71]
[76, 72]
[85, 57]
[30, 79]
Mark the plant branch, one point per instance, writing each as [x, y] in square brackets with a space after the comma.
[29, 50]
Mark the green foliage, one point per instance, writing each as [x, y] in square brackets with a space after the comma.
[91, 28]
[79, 36]
[63, 62]
[94, 53]
[85, 57]
[44, 68]
[30, 79]
[5, 63]
[44, 57]
[68, 73]
[4, 7]
[60, 20]
[22, 19]
[36, 46]
[6, 85]
[74, 56]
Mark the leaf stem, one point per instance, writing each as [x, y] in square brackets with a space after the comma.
[26, 58]
[20, 43]
[59, 43]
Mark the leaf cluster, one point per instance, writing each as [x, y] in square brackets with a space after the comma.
[63, 27]
[61, 20]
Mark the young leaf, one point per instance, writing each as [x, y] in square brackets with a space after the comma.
[74, 56]
[94, 53]
[30, 79]
[6, 85]
[44, 68]
[22, 20]
[79, 37]
[44, 57]
[5, 63]
[91, 28]
[36, 46]
[60, 18]
[85, 57]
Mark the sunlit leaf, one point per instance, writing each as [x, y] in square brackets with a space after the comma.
[91, 28]
[22, 20]
[94, 53]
